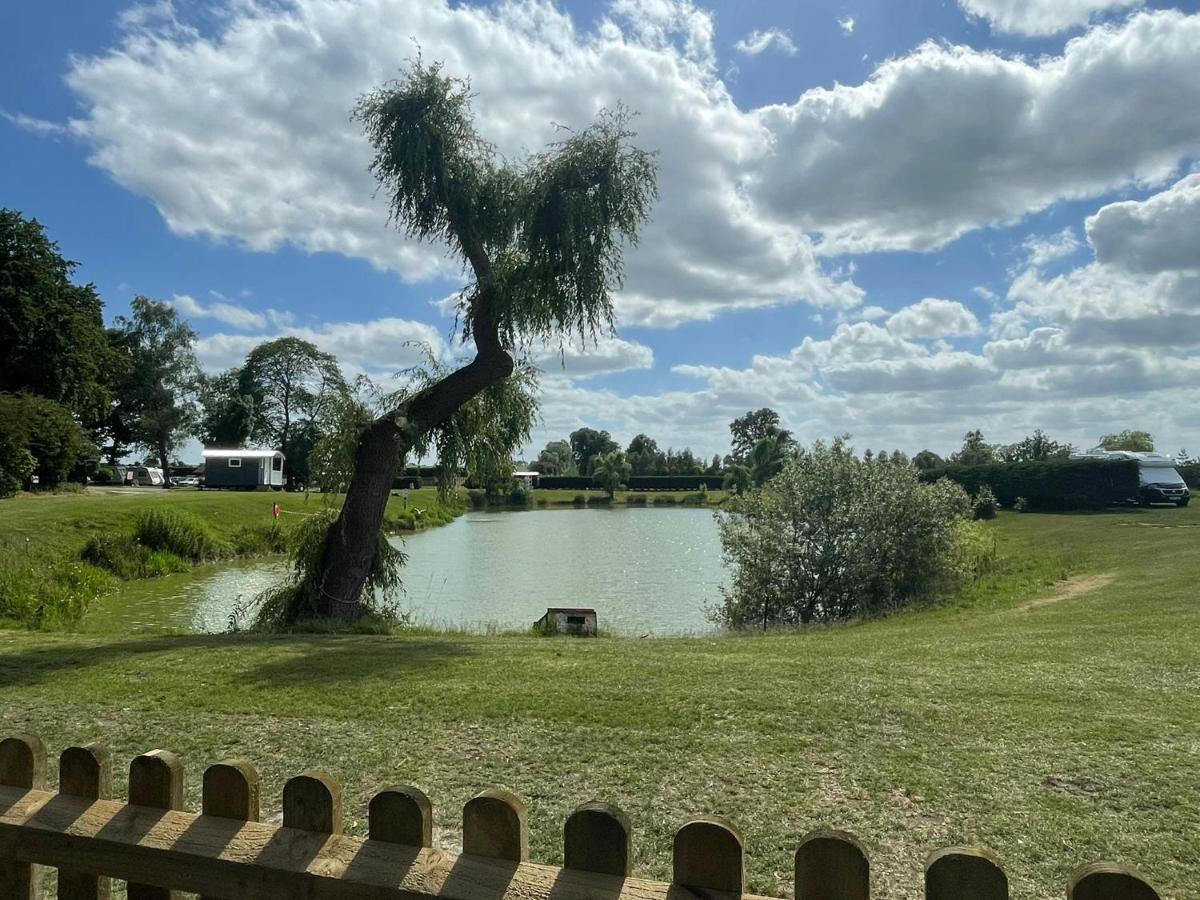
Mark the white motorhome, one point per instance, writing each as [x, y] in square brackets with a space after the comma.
[1159, 480]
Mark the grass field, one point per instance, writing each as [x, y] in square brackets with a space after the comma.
[1053, 723]
[42, 535]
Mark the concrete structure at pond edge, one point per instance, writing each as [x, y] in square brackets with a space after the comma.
[244, 469]
[568, 620]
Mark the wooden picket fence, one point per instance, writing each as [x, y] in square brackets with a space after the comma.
[224, 852]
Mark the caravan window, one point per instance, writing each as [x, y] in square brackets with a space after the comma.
[277, 464]
[235, 462]
[1159, 475]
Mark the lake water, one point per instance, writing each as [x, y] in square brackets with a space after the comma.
[645, 571]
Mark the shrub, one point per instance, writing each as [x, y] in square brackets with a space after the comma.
[832, 537]
[16, 464]
[1191, 474]
[580, 499]
[259, 540]
[1053, 484]
[985, 504]
[1020, 505]
[183, 534]
[47, 431]
[664, 501]
[124, 556]
[634, 500]
[48, 595]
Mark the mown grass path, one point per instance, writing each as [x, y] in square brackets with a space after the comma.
[1053, 734]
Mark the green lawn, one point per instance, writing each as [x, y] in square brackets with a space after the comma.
[1054, 734]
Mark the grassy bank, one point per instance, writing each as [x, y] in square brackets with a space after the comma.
[45, 581]
[1055, 724]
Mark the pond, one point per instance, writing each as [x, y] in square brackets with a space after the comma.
[645, 571]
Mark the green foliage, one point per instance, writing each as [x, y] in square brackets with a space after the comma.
[330, 465]
[1137, 441]
[1036, 447]
[832, 537]
[52, 338]
[47, 431]
[183, 534]
[588, 445]
[547, 233]
[611, 471]
[975, 451]
[16, 462]
[738, 479]
[1053, 484]
[767, 458]
[157, 391]
[294, 390]
[748, 430]
[44, 593]
[927, 459]
[1191, 474]
[1020, 505]
[227, 415]
[556, 459]
[293, 603]
[984, 504]
[126, 557]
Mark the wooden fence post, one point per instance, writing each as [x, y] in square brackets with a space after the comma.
[1108, 881]
[494, 826]
[84, 772]
[596, 838]
[708, 856]
[230, 791]
[155, 781]
[832, 865]
[401, 814]
[312, 801]
[22, 765]
[964, 873]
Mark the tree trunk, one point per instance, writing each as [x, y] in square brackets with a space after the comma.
[165, 462]
[350, 542]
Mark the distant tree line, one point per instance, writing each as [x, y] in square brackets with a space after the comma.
[75, 393]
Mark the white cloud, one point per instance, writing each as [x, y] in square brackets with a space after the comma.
[1153, 235]
[222, 311]
[934, 318]
[380, 348]
[1041, 249]
[606, 356]
[847, 24]
[41, 127]
[1041, 17]
[263, 153]
[757, 42]
[946, 139]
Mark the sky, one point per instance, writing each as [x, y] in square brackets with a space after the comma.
[900, 221]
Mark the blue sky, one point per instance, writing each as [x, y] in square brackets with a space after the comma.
[897, 220]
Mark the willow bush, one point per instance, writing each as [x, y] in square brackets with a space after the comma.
[832, 538]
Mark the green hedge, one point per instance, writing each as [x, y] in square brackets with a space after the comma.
[675, 482]
[565, 482]
[1191, 475]
[1065, 484]
[636, 483]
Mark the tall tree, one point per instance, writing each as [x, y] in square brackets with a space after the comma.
[52, 338]
[543, 241]
[612, 470]
[157, 396]
[927, 459]
[747, 430]
[1137, 441]
[226, 416]
[643, 455]
[1035, 447]
[587, 445]
[291, 382]
[975, 450]
[556, 459]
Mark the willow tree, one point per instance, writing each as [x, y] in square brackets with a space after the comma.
[541, 241]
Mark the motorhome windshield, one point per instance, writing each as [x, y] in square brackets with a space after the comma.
[1159, 475]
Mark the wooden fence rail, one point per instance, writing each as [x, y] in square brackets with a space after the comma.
[224, 852]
